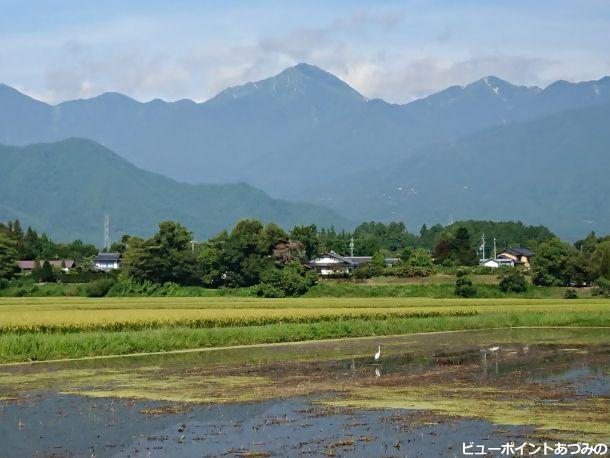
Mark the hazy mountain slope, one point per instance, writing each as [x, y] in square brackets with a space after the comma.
[553, 171]
[284, 132]
[66, 188]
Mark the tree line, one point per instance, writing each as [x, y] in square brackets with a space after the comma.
[273, 260]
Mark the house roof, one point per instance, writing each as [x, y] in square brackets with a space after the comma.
[351, 261]
[342, 260]
[519, 251]
[108, 257]
[29, 265]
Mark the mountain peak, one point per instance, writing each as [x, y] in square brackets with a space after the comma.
[300, 80]
[490, 83]
[10, 94]
[114, 97]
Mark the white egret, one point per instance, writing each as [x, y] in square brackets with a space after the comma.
[378, 354]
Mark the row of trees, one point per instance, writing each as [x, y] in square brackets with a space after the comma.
[266, 255]
[558, 263]
[250, 255]
[30, 245]
[455, 244]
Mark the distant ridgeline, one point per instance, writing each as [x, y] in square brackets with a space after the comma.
[66, 188]
[488, 150]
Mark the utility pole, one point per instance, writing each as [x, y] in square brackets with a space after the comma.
[483, 248]
[193, 246]
[495, 252]
[106, 232]
[351, 247]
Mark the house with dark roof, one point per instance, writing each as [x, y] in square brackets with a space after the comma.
[63, 264]
[518, 255]
[107, 261]
[332, 263]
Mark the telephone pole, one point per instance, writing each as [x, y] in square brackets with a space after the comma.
[106, 232]
[351, 247]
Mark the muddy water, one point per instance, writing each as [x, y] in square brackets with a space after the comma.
[425, 396]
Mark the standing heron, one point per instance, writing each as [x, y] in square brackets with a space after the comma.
[378, 354]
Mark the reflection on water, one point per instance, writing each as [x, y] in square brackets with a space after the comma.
[429, 392]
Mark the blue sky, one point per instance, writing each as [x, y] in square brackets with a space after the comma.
[396, 50]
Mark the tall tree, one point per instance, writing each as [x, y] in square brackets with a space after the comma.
[308, 237]
[46, 272]
[601, 259]
[8, 256]
[550, 266]
[165, 257]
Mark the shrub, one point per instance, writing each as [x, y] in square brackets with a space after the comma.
[98, 288]
[405, 270]
[513, 280]
[4, 283]
[602, 288]
[570, 294]
[418, 264]
[464, 286]
[293, 280]
[363, 271]
[266, 290]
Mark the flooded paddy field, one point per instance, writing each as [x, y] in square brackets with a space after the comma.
[426, 396]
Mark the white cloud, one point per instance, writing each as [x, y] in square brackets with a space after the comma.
[380, 52]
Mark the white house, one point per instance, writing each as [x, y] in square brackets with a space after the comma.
[498, 262]
[334, 264]
[107, 261]
[519, 255]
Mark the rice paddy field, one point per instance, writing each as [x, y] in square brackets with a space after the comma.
[229, 376]
[429, 394]
[36, 329]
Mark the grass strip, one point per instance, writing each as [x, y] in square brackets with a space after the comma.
[39, 346]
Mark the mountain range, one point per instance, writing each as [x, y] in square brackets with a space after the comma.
[306, 135]
[553, 171]
[66, 188]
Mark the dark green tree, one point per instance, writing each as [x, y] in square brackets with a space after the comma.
[587, 245]
[463, 249]
[512, 280]
[47, 275]
[550, 266]
[581, 269]
[418, 264]
[291, 280]
[464, 286]
[8, 256]
[308, 237]
[166, 257]
[601, 259]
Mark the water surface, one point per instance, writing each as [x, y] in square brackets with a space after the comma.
[426, 395]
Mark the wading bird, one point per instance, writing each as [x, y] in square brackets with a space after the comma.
[378, 354]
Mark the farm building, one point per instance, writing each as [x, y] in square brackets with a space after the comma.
[334, 264]
[498, 262]
[107, 261]
[63, 264]
[510, 258]
[519, 255]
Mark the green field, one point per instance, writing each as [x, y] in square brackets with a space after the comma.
[56, 328]
[434, 286]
